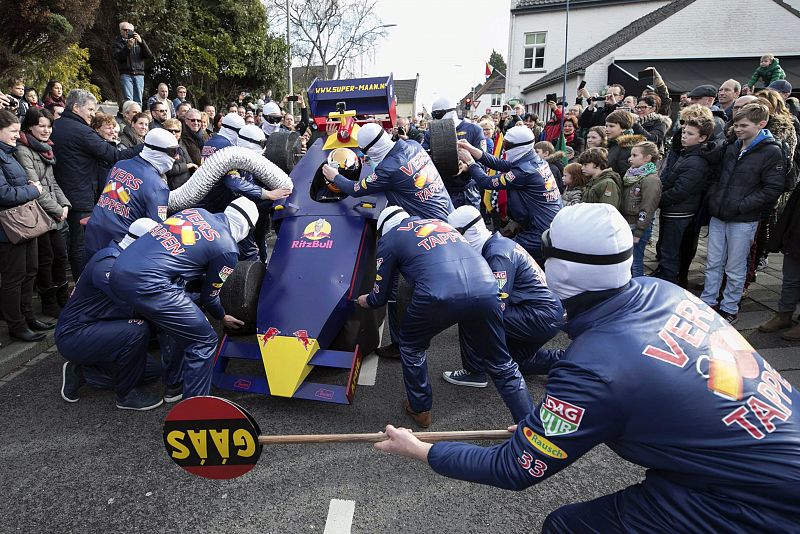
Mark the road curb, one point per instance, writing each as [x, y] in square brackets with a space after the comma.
[15, 354]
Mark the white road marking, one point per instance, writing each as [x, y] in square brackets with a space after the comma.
[369, 370]
[340, 517]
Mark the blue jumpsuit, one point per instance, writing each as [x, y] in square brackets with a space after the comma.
[95, 328]
[667, 384]
[532, 314]
[150, 277]
[533, 197]
[452, 284]
[133, 190]
[462, 188]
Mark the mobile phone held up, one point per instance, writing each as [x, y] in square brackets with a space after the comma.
[582, 85]
[552, 97]
[292, 98]
[646, 77]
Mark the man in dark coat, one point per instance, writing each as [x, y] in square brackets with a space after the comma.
[130, 51]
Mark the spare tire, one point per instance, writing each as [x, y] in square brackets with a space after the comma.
[444, 151]
[280, 149]
[240, 292]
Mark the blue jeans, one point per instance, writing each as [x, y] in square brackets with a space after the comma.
[728, 247]
[637, 267]
[132, 87]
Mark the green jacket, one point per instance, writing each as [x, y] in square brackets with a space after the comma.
[606, 188]
[640, 202]
[768, 74]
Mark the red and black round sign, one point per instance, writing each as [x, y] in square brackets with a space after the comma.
[212, 437]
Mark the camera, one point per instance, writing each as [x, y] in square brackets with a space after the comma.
[131, 34]
[13, 103]
[401, 130]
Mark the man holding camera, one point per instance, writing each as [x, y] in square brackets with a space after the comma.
[130, 51]
[594, 115]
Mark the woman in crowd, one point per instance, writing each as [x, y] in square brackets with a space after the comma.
[54, 94]
[595, 138]
[205, 119]
[641, 193]
[133, 134]
[35, 154]
[18, 262]
[487, 125]
[218, 121]
[650, 124]
[571, 135]
[183, 167]
[105, 126]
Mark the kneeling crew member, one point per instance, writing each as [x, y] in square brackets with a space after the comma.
[661, 379]
[452, 284]
[96, 329]
[190, 245]
[532, 314]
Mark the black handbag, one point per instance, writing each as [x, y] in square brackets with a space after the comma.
[25, 222]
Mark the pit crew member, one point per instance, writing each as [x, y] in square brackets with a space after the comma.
[665, 382]
[227, 135]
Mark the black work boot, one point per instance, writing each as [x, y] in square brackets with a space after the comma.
[50, 305]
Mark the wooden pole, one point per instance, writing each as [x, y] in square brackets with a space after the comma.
[430, 437]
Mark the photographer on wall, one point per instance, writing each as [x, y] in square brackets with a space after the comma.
[130, 51]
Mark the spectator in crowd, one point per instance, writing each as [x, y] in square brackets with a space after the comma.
[210, 110]
[769, 70]
[130, 52]
[181, 109]
[620, 140]
[133, 134]
[684, 100]
[571, 136]
[650, 123]
[596, 137]
[531, 120]
[192, 136]
[183, 167]
[32, 98]
[629, 103]
[54, 94]
[217, 125]
[488, 133]
[127, 112]
[180, 97]
[662, 92]
[35, 154]
[250, 119]
[105, 126]
[18, 262]
[409, 131]
[751, 180]
[603, 185]
[784, 88]
[162, 97]
[159, 113]
[242, 111]
[55, 110]
[727, 94]
[594, 115]
[207, 131]
[641, 193]
[574, 184]
[287, 123]
[80, 155]
[552, 129]
[554, 159]
[575, 111]
[16, 89]
[705, 95]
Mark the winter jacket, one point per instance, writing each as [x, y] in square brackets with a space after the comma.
[597, 116]
[653, 127]
[81, 155]
[640, 201]
[552, 130]
[130, 60]
[720, 119]
[786, 235]
[193, 143]
[619, 150]
[750, 181]
[556, 162]
[578, 144]
[572, 196]
[606, 188]
[14, 187]
[128, 138]
[38, 161]
[769, 74]
[179, 173]
[685, 183]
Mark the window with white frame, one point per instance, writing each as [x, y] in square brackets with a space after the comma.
[533, 58]
[497, 100]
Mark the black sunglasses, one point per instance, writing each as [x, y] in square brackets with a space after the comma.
[171, 151]
[174, 131]
[439, 113]
[273, 119]
[549, 251]
[262, 143]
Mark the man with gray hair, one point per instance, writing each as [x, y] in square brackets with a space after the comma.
[81, 157]
[126, 113]
[130, 51]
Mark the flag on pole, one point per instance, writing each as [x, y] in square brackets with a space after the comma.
[489, 70]
[562, 146]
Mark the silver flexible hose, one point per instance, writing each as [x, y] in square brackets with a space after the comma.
[215, 167]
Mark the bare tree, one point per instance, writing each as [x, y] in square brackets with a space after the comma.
[330, 33]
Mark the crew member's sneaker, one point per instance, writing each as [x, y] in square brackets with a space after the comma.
[388, 351]
[173, 393]
[423, 419]
[462, 377]
[137, 399]
[732, 318]
[71, 381]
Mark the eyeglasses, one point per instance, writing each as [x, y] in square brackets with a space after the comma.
[642, 107]
[174, 131]
[194, 120]
[159, 111]
[273, 119]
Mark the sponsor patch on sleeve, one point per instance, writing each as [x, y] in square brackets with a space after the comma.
[225, 272]
[501, 278]
[560, 417]
[162, 213]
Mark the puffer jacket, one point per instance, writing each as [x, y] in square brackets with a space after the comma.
[749, 182]
[572, 196]
[653, 127]
[640, 201]
[769, 74]
[14, 187]
[606, 188]
[619, 150]
[38, 161]
[685, 183]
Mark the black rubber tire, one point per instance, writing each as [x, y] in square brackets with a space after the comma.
[444, 151]
[240, 293]
[280, 149]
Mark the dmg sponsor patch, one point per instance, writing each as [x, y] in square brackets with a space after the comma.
[559, 417]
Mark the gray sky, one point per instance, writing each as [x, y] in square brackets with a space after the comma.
[433, 36]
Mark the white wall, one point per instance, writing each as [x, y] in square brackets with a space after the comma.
[486, 102]
[588, 26]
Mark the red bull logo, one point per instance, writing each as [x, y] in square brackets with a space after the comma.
[302, 337]
[730, 362]
[427, 229]
[422, 180]
[271, 333]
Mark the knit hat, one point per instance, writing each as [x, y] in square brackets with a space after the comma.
[782, 86]
[137, 229]
[390, 217]
[588, 247]
[242, 216]
[469, 222]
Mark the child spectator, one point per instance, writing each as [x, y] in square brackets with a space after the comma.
[620, 140]
[769, 70]
[603, 185]
[596, 137]
[32, 98]
[751, 180]
[575, 184]
[683, 188]
[641, 193]
[555, 159]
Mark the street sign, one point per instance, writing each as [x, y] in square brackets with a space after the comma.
[476, 103]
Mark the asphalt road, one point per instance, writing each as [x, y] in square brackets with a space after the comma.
[89, 467]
